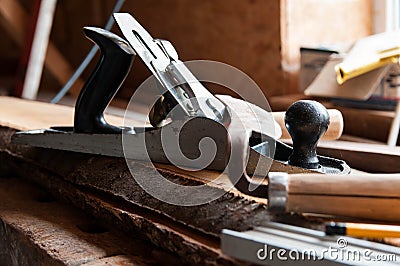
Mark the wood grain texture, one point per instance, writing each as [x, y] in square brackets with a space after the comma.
[334, 131]
[190, 244]
[37, 229]
[367, 185]
[254, 47]
[24, 114]
[373, 210]
[368, 197]
[104, 187]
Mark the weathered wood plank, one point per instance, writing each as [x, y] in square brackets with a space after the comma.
[37, 229]
[104, 187]
[112, 176]
[190, 245]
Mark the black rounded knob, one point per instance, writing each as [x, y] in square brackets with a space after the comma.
[306, 121]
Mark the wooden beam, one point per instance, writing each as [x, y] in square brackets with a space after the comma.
[26, 48]
[38, 49]
[61, 69]
[14, 19]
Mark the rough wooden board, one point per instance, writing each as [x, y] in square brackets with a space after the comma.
[192, 246]
[118, 260]
[111, 175]
[110, 178]
[36, 229]
[99, 186]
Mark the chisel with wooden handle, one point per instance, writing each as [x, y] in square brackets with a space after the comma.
[360, 196]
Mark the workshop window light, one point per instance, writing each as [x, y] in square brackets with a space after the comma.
[386, 15]
[393, 15]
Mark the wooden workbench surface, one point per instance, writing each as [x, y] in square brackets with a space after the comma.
[37, 228]
[103, 187]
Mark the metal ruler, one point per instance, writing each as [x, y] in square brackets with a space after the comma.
[281, 244]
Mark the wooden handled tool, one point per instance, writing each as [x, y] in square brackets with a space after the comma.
[334, 131]
[361, 196]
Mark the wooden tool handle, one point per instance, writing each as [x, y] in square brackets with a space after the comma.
[361, 196]
[334, 131]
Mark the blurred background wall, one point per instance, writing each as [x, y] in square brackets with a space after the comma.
[260, 37]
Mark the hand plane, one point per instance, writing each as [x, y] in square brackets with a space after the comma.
[189, 126]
